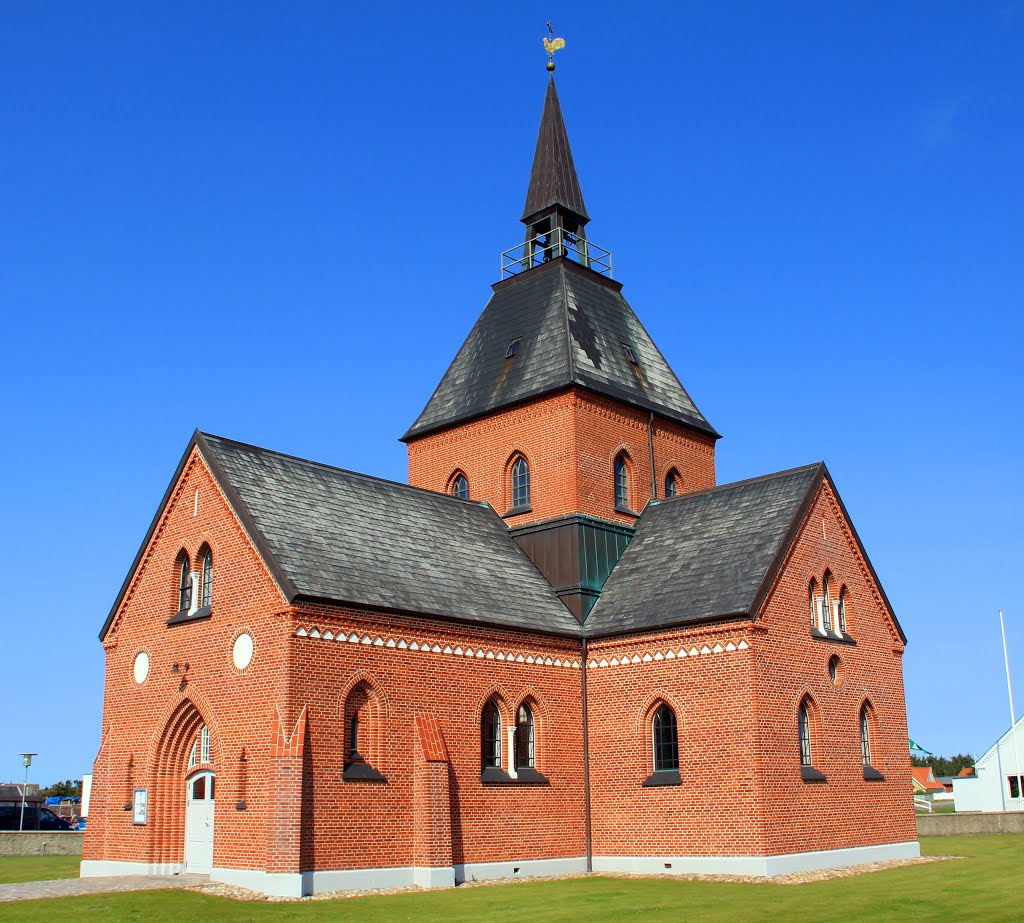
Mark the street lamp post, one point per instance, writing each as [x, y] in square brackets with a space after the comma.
[26, 759]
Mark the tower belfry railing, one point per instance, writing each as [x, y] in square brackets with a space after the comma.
[558, 242]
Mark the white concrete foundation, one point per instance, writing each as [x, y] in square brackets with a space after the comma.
[101, 868]
[764, 866]
[527, 868]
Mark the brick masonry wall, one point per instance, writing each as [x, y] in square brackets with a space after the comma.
[570, 440]
[367, 825]
[706, 676]
[146, 727]
[846, 810]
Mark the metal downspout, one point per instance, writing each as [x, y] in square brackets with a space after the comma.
[650, 452]
[586, 763]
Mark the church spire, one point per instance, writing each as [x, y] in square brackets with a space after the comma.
[554, 186]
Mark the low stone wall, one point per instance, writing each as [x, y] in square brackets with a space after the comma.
[969, 824]
[37, 843]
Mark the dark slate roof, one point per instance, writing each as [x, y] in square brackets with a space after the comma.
[334, 535]
[571, 324]
[705, 555]
[553, 179]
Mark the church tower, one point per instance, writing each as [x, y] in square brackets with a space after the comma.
[559, 410]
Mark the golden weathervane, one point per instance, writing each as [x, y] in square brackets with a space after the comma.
[551, 45]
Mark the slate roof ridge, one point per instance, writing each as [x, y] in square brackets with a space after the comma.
[691, 494]
[437, 495]
[742, 592]
[415, 423]
[712, 431]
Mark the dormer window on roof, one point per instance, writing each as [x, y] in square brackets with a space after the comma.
[630, 355]
[513, 348]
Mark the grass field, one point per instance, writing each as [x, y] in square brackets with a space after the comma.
[985, 885]
[37, 868]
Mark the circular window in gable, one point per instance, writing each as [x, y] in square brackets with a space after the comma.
[140, 669]
[835, 670]
[241, 651]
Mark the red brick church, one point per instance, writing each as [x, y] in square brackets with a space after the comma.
[561, 647]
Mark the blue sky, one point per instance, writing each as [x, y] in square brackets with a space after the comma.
[277, 222]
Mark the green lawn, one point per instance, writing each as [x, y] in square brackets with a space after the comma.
[37, 868]
[986, 885]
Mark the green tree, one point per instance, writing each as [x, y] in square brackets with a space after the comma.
[943, 765]
[69, 788]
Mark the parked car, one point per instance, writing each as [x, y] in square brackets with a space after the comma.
[36, 817]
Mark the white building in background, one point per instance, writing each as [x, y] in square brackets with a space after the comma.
[996, 785]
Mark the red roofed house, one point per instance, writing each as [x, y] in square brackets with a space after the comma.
[924, 781]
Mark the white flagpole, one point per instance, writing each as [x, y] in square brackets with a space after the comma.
[1013, 717]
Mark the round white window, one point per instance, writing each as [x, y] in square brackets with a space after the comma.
[241, 652]
[141, 667]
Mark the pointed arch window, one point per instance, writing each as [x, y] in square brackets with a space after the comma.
[813, 600]
[804, 723]
[490, 736]
[207, 594]
[672, 483]
[809, 734]
[460, 487]
[865, 736]
[520, 484]
[621, 482]
[841, 611]
[524, 739]
[665, 740]
[826, 607]
[361, 728]
[185, 584]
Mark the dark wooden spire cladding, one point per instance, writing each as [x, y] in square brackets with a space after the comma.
[553, 180]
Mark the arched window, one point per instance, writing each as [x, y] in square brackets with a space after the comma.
[841, 611]
[524, 755]
[811, 594]
[185, 584]
[804, 722]
[826, 604]
[665, 738]
[672, 483]
[520, 483]
[361, 729]
[490, 736]
[207, 594]
[621, 481]
[460, 487]
[353, 736]
[865, 736]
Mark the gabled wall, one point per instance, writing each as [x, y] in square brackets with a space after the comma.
[845, 810]
[142, 722]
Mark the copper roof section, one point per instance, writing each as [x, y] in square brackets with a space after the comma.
[553, 180]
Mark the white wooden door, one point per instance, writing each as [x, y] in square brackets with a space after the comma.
[199, 805]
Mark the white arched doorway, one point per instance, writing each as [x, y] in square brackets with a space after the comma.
[199, 816]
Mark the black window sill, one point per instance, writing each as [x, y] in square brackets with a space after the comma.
[810, 774]
[362, 772]
[517, 511]
[185, 616]
[663, 777]
[832, 636]
[625, 510]
[494, 775]
[872, 775]
[527, 775]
